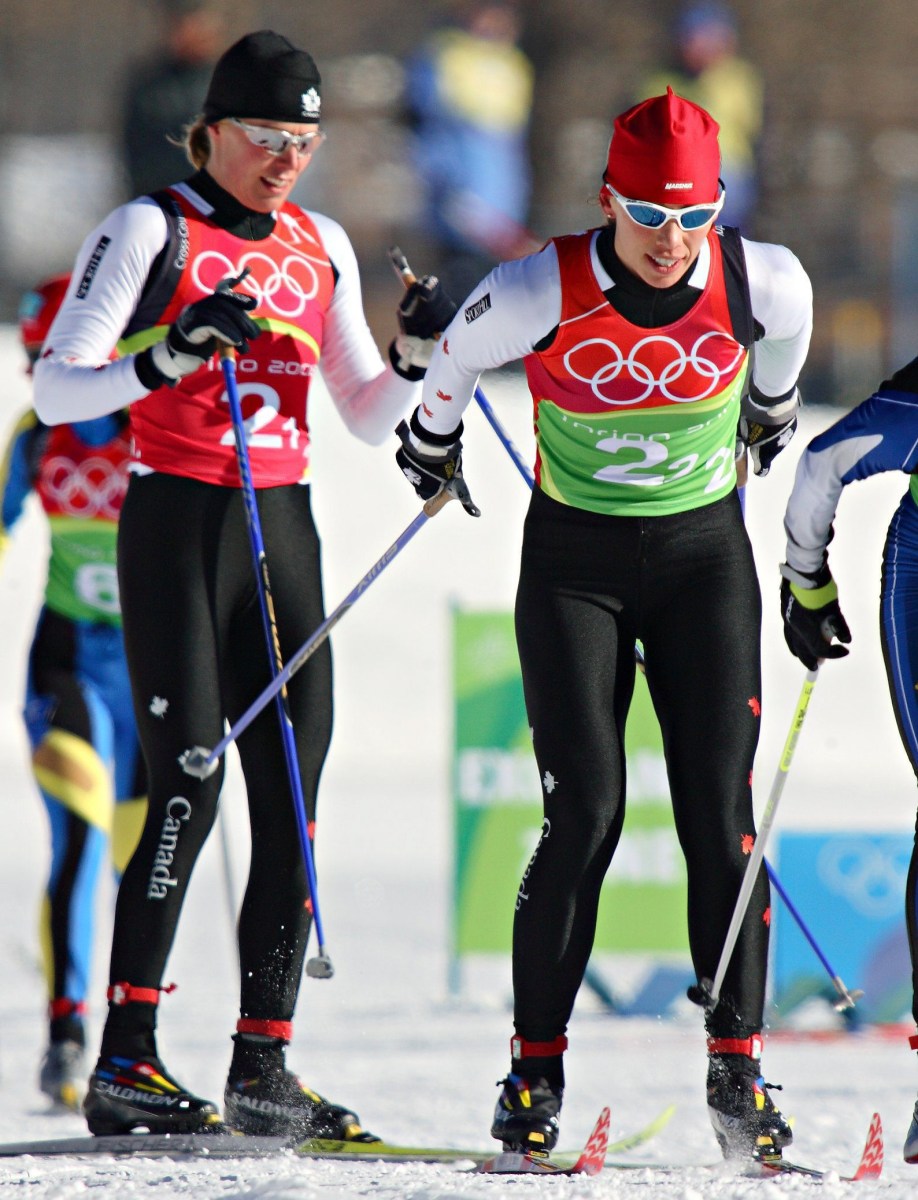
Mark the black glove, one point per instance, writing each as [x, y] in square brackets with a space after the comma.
[809, 608]
[766, 427]
[424, 312]
[430, 461]
[194, 336]
[766, 442]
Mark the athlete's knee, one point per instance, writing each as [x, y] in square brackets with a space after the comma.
[68, 770]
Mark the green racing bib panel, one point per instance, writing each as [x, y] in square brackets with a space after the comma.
[634, 421]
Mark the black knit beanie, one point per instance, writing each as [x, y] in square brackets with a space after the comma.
[265, 76]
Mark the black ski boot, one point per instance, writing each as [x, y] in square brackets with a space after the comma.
[276, 1103]
[526, 1116]
[126, 1094]
[910, 1149]
[746, 1122]
[263, 1097]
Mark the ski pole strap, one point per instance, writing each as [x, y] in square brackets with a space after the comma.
[62, 1007]
[125, 993]
[913, 1041]
[751, 1046]
[520, 1048]
[273, 1029]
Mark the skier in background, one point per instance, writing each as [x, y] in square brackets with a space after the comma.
[85, 751]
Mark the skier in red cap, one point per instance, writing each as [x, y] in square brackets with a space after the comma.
[636, 340]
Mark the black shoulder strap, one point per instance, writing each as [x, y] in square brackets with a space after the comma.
[746, 329]
[167, 267]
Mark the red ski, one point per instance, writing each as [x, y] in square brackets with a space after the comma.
[591, 1160]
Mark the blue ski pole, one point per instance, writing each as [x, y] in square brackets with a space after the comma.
[319, 967]
[846, 998]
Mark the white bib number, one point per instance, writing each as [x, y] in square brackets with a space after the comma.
[261, 418]
[96, 584]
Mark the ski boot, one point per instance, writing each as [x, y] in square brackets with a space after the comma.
[526, 1116]
[277, 1104]
[126, 1094]
[746, 1122]
[263, 1097]
[910, 1151]
[62, 1076]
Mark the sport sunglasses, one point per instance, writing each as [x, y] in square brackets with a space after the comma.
[278, 141]
[653, 216]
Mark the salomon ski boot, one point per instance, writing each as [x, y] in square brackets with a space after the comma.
[126, 1094]
[526, 1116]
[277, 1104]
[746, 1122]
[62, 1076]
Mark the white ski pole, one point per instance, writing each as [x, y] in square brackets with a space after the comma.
[706, 992]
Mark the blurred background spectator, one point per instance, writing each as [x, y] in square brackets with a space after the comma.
[468, 96]
[708, 69]
[840, 100]
[164, 91]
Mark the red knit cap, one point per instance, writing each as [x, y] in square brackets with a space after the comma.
[665, 150]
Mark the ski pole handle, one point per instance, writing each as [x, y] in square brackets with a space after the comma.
[408, 277]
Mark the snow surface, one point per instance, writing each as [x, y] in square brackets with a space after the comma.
[385, 1035]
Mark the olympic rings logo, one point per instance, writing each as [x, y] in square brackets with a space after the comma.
[284, 287]
[94, 487]
[637, 366]
[869, 876]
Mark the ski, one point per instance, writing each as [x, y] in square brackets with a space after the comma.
[870, 1166]
[237, 1145]
[381, 1151]
[150, 1145]
[590, 1161]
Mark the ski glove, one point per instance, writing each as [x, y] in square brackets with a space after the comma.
[767, 427]
[424, 312]
[194, 336]
[809, 608]
[430, 461]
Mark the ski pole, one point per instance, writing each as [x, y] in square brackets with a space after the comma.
[320, 966]
[706, 992]
[229, 886]
[846, 998]
[405, 273]
[202, 762]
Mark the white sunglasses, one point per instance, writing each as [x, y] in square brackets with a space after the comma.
[279, 141]
[654, 216]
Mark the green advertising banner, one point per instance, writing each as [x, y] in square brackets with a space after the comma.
[498, 808]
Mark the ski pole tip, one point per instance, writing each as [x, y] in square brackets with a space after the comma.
[198, 761]
[320, 967]
[848, 999]
[702, 994]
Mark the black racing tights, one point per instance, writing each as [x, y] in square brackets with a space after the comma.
[686, 586]
[196, 649]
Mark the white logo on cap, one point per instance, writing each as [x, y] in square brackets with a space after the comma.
[677, 187]
[311, 103]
